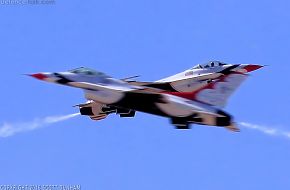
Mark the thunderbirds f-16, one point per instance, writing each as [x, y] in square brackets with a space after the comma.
[195, 96]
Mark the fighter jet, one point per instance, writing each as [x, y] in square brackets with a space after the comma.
[197, 76]
[108, 95]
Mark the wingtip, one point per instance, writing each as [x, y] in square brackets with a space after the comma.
[233, 128]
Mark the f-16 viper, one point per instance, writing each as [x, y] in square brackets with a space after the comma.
[196, 77]
[196, 96]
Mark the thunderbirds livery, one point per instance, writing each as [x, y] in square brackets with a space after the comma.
[195, 96]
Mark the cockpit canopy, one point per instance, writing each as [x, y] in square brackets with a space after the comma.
[88, 71]
[209, 64]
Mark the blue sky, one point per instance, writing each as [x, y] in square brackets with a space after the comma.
[154, 39]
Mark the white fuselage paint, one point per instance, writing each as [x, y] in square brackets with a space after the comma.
[189, 85]
[105, 97]
[191, 73]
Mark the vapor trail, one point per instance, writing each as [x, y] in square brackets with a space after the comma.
[266, 130]
[9, 129]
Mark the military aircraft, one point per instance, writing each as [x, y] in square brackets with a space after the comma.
[108, 95]
[196, 77]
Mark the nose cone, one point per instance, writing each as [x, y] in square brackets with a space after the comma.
[250, 68]
[39, 76]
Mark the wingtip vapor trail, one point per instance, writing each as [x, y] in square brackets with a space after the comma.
[272, 131]
[10, 129]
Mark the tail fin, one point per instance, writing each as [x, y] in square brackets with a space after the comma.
[216, 93]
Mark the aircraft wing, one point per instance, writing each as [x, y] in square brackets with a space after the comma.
[217, 92]
[221, 90]
[170, 85]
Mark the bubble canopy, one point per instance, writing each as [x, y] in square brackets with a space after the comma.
[88, 71]
[209, 64]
